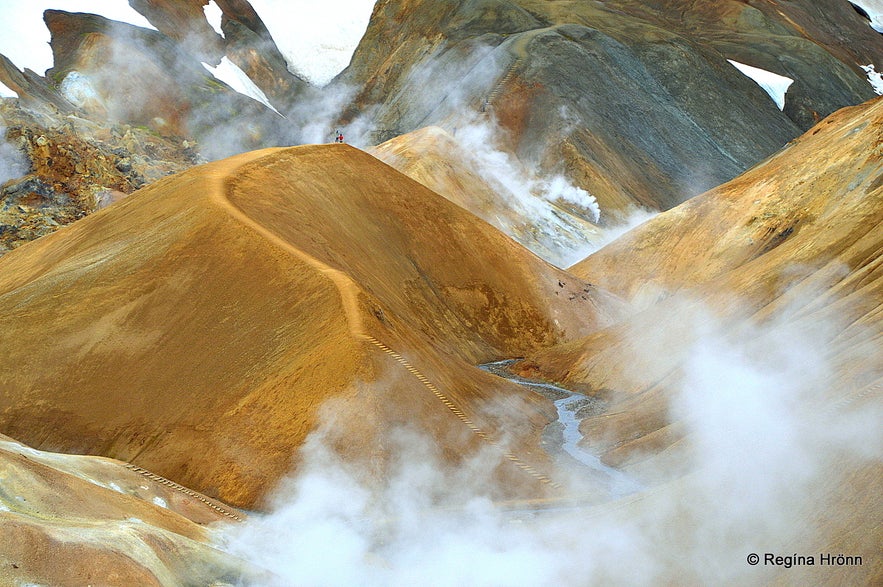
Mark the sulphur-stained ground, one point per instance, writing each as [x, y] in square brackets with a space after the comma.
[59, 168]
[254, 289]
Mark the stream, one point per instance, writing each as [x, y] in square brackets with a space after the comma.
[565, 434]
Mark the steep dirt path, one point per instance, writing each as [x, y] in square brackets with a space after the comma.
[349, 291]
[518, 48]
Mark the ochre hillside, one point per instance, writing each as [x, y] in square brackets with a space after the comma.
[795, 240]
[807, 205]
[72, 520]
[197, 327]
[784, 260]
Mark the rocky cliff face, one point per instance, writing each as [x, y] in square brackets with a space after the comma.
[634, 102]
[102, 66]
[246, 41]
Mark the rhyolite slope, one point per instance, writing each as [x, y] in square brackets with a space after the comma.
[197, 327]
[635, 102]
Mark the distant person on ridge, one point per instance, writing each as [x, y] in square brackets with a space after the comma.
[339, 138]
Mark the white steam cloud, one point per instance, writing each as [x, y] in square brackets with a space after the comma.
[622, 223]
[428, 524]
[314, 117]
[529, 188]
[542, 209]
[79, 90]
[13, 163]
[556, 212]
[764, 455]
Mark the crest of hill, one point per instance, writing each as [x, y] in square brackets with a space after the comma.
[196, 327]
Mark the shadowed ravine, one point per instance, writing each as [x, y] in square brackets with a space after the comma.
[565, 435]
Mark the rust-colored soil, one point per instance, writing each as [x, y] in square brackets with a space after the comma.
[196, 328]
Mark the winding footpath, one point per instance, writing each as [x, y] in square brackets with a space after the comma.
[349, 291]
[620, 484]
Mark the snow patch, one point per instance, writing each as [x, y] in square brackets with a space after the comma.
[317, 39]
[772, 83]
[3, 508]
[874, 10]
[160, 502]
[229, 73]
[214, 16]
[875, 78]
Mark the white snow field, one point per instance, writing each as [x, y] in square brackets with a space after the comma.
[772, 83]
[229, 73]
[874, 9]
[317, 39]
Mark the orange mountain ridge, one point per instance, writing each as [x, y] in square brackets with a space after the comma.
[196, 328]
